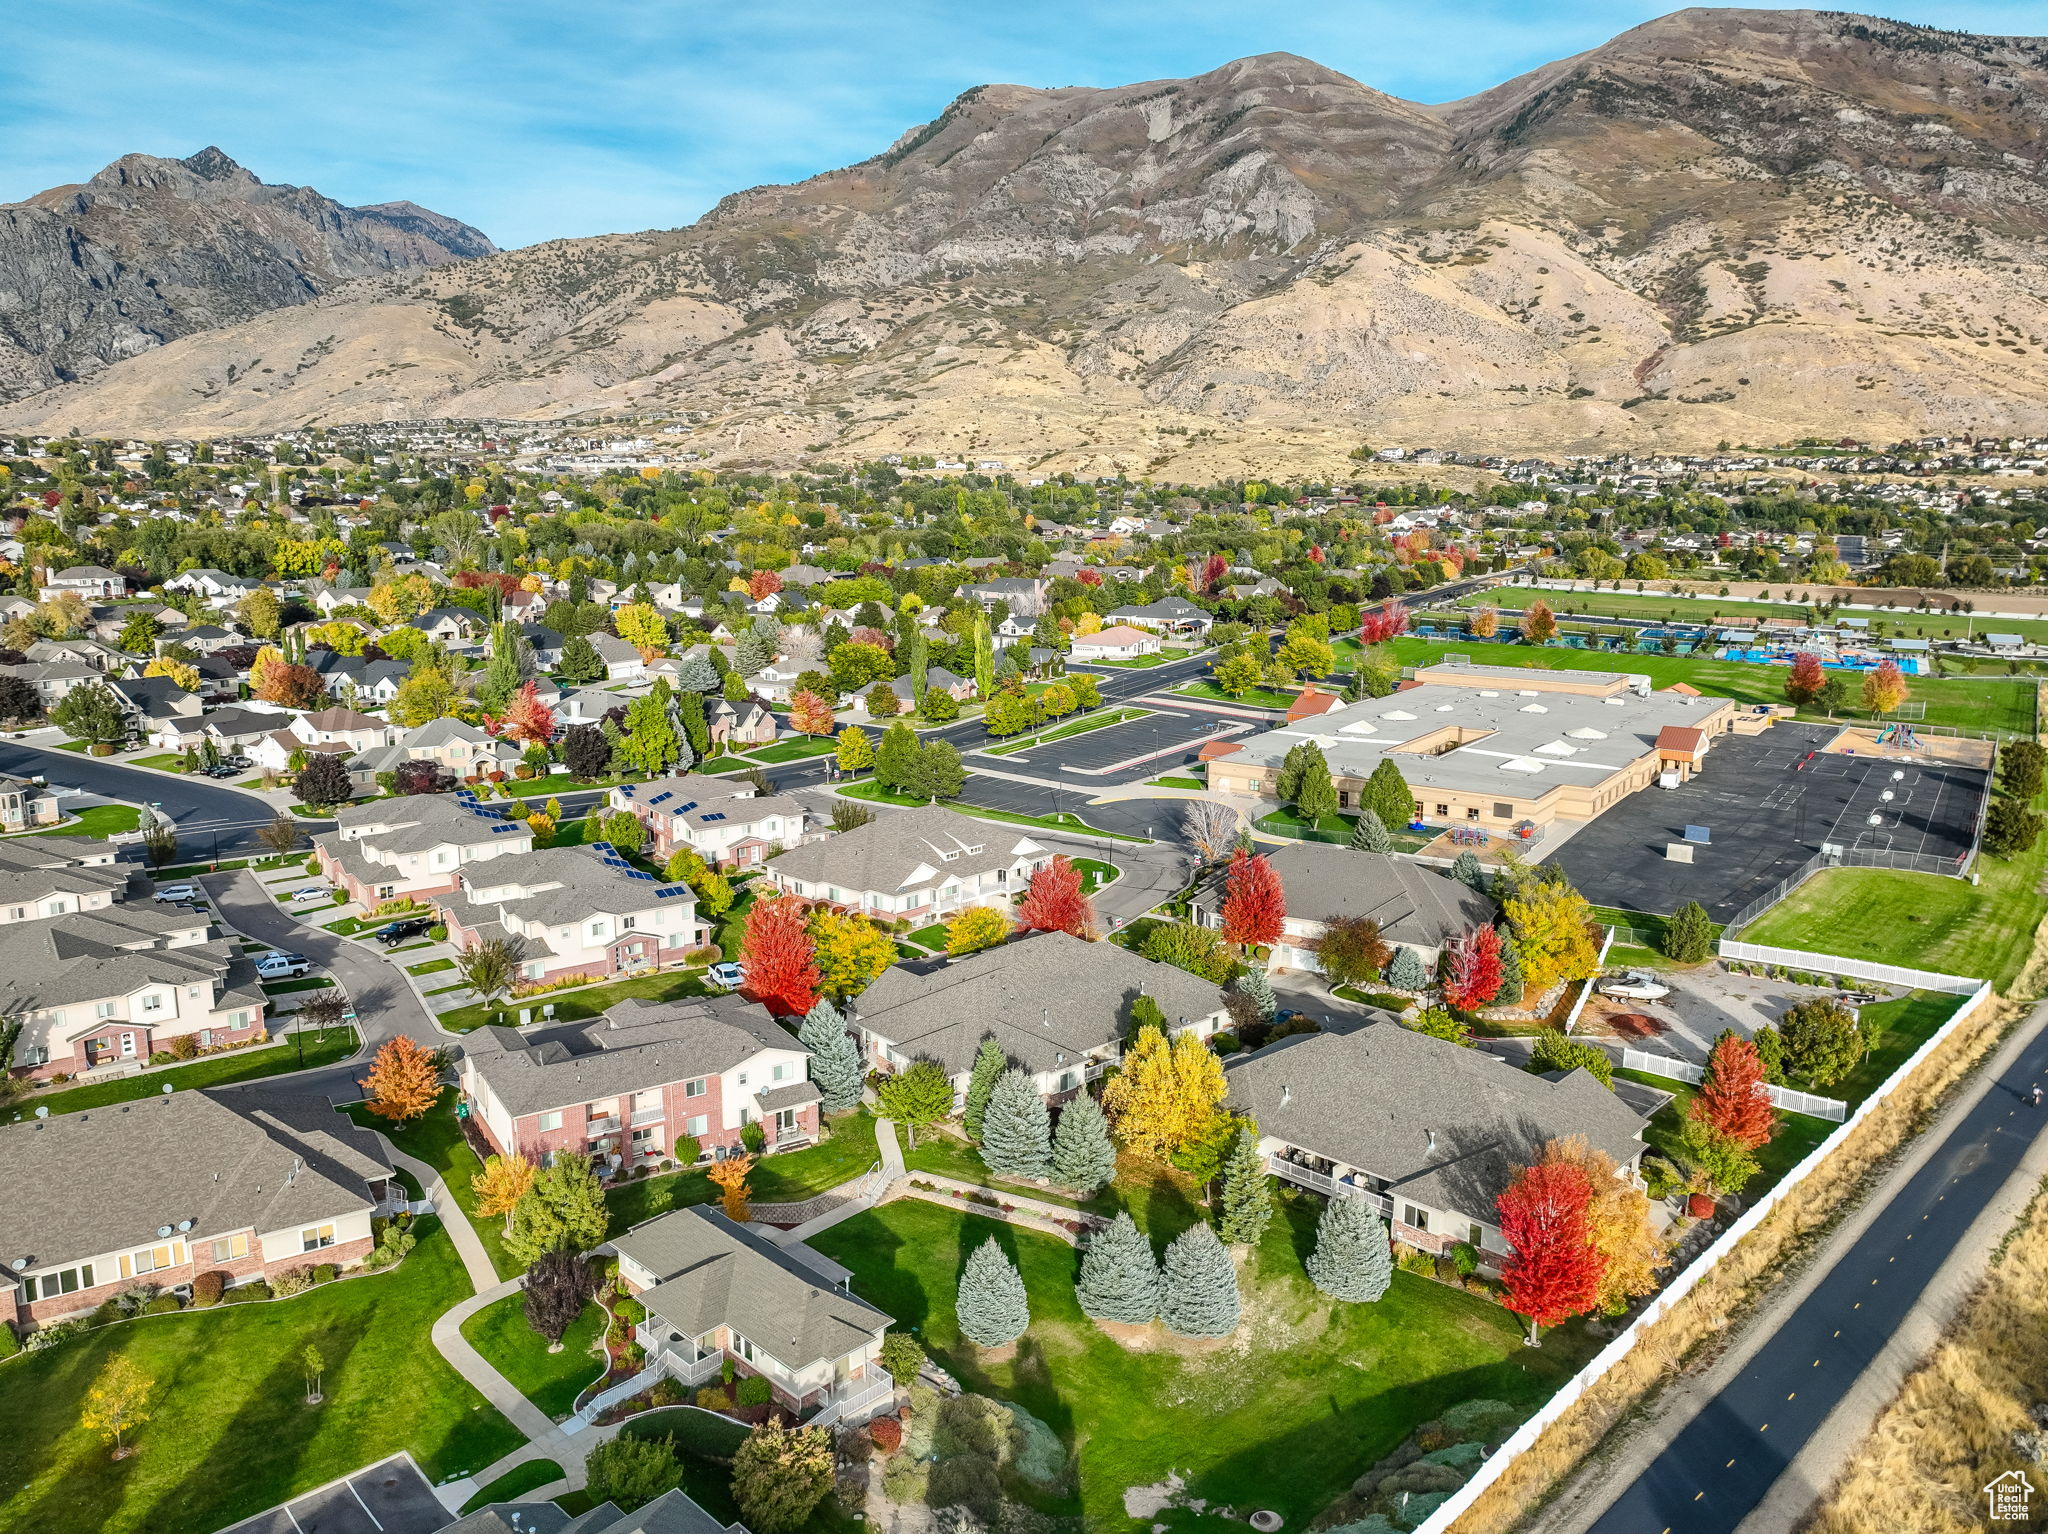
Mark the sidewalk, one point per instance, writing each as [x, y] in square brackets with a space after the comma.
[873, 1193]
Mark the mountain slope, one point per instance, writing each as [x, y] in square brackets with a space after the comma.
[1722, 224]
[151, 249]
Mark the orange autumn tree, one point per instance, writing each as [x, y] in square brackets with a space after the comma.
[1885, 688]
[404, 1081]
[731, 1177]
[1618, 1223]
[1539, 623]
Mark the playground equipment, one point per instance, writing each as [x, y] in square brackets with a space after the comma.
[1468, 836]
[1900, 735]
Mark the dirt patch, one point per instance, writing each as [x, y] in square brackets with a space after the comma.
[1151, 1501]
[1606, 1021]
[1153, 1337]
[1002, 1355]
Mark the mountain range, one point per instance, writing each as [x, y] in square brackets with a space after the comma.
[1722, 225]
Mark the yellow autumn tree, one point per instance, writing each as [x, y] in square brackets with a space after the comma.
[976, 928]
[1166, 1094]
[642, 627]
[1553, 934]
[731, 1177]
[500, 1186]
[118, 1401]
[850, 951]
[1618, 1221]
[185, 676]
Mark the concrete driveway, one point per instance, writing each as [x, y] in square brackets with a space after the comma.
[385, 1004]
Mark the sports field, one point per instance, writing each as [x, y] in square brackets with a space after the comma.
[1719, 611]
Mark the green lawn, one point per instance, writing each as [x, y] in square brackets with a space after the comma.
[99, 820]
[1095, 874]
[1796, 1137]
[1257, 697]
[313, 1049]
[932, 937]
[230, 1431]
[168, 761]
[874, 793]
[1139, 662]
[1729, 612]
[1162, 1199]
[794, 750]
[555, 784]
[552, 1381]
[289, 987]
[1074, 727]
[1177, 783]
[586, 1002]
[1285, 1421]
[430, 967]
[1925, 921]
[1334, 828]
[514, 1484]
[1964, 702]
[437, 1140]
[848, 1152]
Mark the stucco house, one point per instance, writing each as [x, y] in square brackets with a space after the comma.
[922, 864]
[723, 820]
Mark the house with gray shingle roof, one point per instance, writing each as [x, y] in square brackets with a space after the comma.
[574, 911]
[715, 1291]
[917, 863]
[1059, 1007]
[414, 845]
[624, 1087]
[1426, 1130]
[723, 820]
[243, 1183]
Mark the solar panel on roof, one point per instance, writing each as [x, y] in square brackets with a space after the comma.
[684, 809]
[603, 847]
[670, 891]
[661, 797]
[636, 873]
[715, 815]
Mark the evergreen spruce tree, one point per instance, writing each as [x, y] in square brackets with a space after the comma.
[1016, 1131]
[1407, 971]
[1689, 935]
[1466, 870]
[992, 1306]
[988, 1068]
[697, 675]
[835, 1058]
[1510, 990]
[1352, 1260]
[1256, 984]
[1370, 834]
[1083, 1156]
[1387, 792]
[1247, 1192]
[1119, 1275]
[1198, 1290]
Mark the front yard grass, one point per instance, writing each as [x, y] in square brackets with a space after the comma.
[167, 761]
[303, 983]
[437, 1140]
[790, 1178]
[586, 1002]
[1285, 1420]
[313, 1049]
[552, 1381]
[1256, 697]
[430, 966]
[99, 820]
[1924, 921]
[796, 750]
[230, 1431]
[1095, 874]
[1071, 728]
[514, 1484]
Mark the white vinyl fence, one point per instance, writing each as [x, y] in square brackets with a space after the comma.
[1460, 1500]
[1855, 969]
[1832, 1108]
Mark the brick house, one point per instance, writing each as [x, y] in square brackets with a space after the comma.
[415, 846]
[573, 911]
[623, 1087]
[723, 820]
[1427, 1131]
[242, 1183]
[921, 864]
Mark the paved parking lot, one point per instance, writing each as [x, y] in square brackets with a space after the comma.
[1702, 1003]
[1768, 804]
[1157, 818]
[1097, 749]
[392, 1497]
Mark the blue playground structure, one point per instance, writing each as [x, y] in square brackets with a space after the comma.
[1900, 735]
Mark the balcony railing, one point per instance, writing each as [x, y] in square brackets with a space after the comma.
[649, 1116]
[604, 1126]
[1329, 1186]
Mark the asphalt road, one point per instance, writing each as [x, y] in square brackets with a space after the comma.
[213, 821]
[1721, 1465]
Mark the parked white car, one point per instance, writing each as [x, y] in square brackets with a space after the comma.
[283, 966]
[1635, 986]
[178, 892]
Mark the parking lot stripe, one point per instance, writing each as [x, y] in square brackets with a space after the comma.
[364, 1506]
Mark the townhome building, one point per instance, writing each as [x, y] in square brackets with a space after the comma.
[1059, 1006]
[718, 1293]
[1427, 1131]
[624, 1087]
[1413, 904]
[415, 846]
[25, 804]
[921, 864]
[89, 581]
[241, 1183]
[216, 588]
[45, 876]
[330, 731]
[723, 820]
[103, 657]
[52, 680]
[573, 911]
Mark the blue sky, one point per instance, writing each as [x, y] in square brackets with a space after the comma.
[535, 121]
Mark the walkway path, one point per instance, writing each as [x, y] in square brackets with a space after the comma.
[483, 1274]
[873, 1192]
[475, 1368]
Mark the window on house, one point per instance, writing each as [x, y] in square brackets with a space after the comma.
[695, 1125]
[228, 1248]
[779, 1073]
[1472, 813]
[626, 923]
[151, 1259]
[1418, 1218]
[47, 1286]
[104, 1009]
[314, 1237]
[743, 1078]
[1443, 809]
[152, 1003]
[550, 1121]
[696, 1088]
[1503, 811]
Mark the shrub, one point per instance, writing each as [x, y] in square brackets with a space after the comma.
[292, 1280]
[1661, 1176]
[10, 1344]
[50, 1336]
[667, 1392]
[185, 1047]
[1409, 1260]
[714, 1398]
[107, 1312]
[255, 1289]
[438, 932]
[1556, 1051]
[1465, 1258]
[755, 1390]
[207, 1288]
[163, 1305]
[1225, 1043]
[754, 1137]
[326, 1273]
[887, 1434]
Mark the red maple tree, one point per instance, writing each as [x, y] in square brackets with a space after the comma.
[1088, 577]
[1383, 623]
[527, 719]
[1053, 901]
[1315, 553]
[777, 955]
[1732, 1096]
[504, 580]
[1254, 905]
[1553, 1271]
[763, 583]
[1806, 680]
[810, 713]
[1214, 568]
[1475, 973]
